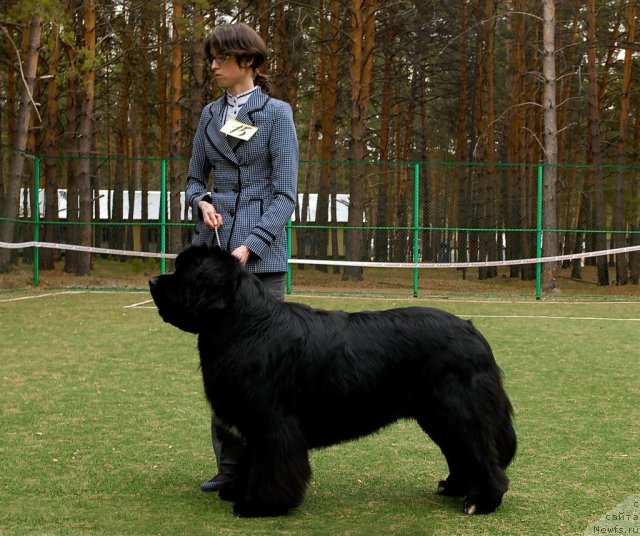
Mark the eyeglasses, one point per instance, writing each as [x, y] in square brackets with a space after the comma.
[220, 58]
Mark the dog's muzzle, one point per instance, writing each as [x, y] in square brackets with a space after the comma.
[153, 283]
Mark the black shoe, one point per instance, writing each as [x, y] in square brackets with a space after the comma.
[217, 483]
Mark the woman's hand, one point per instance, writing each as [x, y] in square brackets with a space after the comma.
[211, 218]
[242, 254]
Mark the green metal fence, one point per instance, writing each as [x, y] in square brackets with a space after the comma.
[413, 216]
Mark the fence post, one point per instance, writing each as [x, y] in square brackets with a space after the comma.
[36, 220]
[539, 232]
[416, 225]
[288, 284]
[163, 215]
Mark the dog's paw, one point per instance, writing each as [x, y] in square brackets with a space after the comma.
[474, 507]
[469, 508]
[249, 508]
[449, 488]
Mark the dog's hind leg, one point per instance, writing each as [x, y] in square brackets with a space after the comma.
[457, 483]
[492, 452]
[474, 471]
[467, 432]
[278, 475]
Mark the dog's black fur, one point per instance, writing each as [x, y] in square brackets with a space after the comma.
[290, 378]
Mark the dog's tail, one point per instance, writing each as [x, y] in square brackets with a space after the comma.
[492, 408]
[504, 435]
[506, 442]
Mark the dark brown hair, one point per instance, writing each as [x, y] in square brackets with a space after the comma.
[243, 42]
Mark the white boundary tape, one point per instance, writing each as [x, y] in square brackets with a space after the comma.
[515, 262]
[72, 247]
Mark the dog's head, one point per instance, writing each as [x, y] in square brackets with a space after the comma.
[201, 287]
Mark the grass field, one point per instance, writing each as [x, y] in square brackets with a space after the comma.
[105, 430]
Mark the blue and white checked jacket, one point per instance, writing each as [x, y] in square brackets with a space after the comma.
[254, 181]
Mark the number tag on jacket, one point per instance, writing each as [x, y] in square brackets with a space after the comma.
[239, 130]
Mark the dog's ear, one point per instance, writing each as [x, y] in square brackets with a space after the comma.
[216, 279]
[208, 303]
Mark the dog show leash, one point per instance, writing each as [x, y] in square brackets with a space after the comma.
[215, 228]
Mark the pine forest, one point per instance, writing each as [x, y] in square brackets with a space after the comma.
[471, 97]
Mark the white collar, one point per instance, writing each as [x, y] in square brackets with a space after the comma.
[238, 100]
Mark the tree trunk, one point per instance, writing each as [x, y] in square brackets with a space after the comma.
[51, 168]
[382, 214]
[634, 256]
[328, 64]
[11, 201]
[531, 152]
[85, 199]
[310, 171]
[462, 146]
[361, 68]
[175, 182]
[280, 50]
[423, 155]
[11, 96]
[482, 243]
[569, 204]
[162, 84]
[619, 219]
[489, 193]
[513, 131]
[197, 93]
[71, 134]
[549, 194]
[117, 232]
[595, 147]
[142, 132]
[406, 143]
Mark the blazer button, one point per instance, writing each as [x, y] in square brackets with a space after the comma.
[235, 189]
[232, 213]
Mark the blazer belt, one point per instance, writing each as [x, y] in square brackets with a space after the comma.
[235, 189]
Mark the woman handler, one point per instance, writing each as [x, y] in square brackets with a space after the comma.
[246, 141]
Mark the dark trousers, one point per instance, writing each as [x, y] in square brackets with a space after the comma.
[228, 448]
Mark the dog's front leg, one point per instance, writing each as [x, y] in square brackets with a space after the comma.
[236, 489]
[278, 474]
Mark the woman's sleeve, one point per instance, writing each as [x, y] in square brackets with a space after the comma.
[284, 152]
[199, 165]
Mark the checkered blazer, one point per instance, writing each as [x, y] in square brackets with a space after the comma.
[254, 181]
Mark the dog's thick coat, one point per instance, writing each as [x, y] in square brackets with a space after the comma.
[290, 378]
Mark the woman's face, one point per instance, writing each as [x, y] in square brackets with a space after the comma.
[230, 75]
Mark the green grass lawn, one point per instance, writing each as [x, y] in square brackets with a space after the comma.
[105, 430]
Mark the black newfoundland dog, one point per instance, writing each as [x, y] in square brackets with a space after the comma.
[289, 378]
